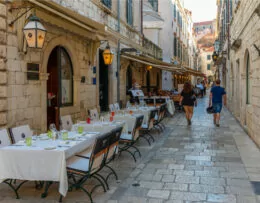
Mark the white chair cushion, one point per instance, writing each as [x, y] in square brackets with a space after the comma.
[66, 122]
[21, 132]
[126, 136]
[4, 138]
[78, 163]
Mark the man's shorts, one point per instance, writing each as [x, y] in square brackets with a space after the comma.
[217, 107]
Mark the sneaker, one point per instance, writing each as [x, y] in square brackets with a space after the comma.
[215, 122]
[217, 125]
[189, 122]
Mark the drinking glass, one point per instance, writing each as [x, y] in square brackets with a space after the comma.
[65, 135]
[28, 141]
[80, 129]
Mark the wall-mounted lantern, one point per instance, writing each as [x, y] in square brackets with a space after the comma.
[149, 68]
[215, 56]
[108, 55]
[34, 33]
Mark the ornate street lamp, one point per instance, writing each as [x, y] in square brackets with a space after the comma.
[34, 33]
[108, 55]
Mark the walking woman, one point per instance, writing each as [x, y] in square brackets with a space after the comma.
[188, 99]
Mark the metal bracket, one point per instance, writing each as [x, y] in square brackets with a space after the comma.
[13, 21]
[258, 50]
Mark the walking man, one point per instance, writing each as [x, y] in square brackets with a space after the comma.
[217, 95]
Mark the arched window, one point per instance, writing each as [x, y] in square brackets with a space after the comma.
[247, 79]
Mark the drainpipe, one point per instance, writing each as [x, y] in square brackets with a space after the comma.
[118, 53]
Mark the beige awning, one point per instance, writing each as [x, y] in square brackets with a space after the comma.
[152, 62]
[71, 16]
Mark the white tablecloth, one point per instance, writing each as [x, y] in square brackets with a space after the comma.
[170, 107]
[39, 163]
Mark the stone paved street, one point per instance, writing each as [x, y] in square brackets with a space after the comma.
[197, 163]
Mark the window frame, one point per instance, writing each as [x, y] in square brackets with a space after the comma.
[208, 66]
[107, 3]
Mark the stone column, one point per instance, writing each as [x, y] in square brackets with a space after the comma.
[43, 78]
[3, 71]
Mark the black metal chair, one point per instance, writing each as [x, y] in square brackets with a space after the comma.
[129, 139]
[113, 150]
[161, 115]
[81, 168]
[145, 131]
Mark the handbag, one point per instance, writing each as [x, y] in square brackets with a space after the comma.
[210, 110]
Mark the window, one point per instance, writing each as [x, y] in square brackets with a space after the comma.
[154, 4]
[174, 11]
[107, 3]
[129, 12]
[208, 57]
[208, 67]
[66, 75]
[175, 46]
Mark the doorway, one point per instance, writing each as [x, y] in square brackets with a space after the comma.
[59, 84]
[148, 81]
[103, 83]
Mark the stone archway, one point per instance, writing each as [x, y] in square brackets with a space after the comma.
[59, 41]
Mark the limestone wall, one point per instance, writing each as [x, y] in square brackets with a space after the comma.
[245, 26]
[27, 99]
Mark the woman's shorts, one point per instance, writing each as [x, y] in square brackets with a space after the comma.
[217, 107]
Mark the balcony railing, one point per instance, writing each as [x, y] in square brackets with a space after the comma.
[152, 49]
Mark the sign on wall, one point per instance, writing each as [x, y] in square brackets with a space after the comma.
[166, 80]
[32, 71]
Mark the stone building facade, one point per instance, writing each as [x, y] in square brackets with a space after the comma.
[80, 30]
[243, 71]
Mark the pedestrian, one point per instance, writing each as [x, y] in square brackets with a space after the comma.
[204, 87]
[200, 86]
[188, 100]
[216, 98]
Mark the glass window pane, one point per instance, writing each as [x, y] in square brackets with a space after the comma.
[66, 79]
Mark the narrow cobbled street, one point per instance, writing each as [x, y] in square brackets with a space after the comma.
[197, 163]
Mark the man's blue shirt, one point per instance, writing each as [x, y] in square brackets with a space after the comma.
[217, 93]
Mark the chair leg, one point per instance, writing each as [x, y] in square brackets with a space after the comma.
[103, 180]
[101, 183]
[149, 134]
[143, 136]
[137, 150]
[126, 150]
[112, 172]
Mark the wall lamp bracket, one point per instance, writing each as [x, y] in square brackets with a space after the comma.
[258, 50]
[27, 10]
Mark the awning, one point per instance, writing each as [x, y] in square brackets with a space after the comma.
[71, 16]
[152, 62]
[194, 72]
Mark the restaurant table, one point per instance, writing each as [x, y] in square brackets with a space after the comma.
[45, 160]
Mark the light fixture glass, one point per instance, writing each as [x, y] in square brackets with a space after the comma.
[34, 33]
[108, 55]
